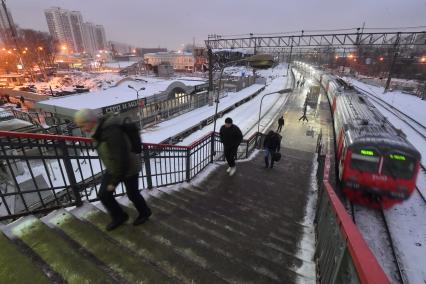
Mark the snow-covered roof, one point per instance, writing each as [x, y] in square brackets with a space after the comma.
[119, 64]
[112, 96]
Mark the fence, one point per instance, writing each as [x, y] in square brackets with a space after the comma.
[341, 253]
[42, 172]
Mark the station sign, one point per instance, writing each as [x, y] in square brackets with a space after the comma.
[122, 107]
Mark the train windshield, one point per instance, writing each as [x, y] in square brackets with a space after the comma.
[398, 166]
[365, 160]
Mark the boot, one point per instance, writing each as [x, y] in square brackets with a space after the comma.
[266, 162]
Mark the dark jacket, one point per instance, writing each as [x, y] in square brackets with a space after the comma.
[231, 136]
[272, 142]
[281, 121]
[113, 146]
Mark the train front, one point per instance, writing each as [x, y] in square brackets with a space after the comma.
[379, 173]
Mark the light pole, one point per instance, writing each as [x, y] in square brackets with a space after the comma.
[251, 59]
[283, 91]
[139, 106]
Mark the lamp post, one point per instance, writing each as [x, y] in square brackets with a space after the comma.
[283, 91]
[137, 98]
[251, 59]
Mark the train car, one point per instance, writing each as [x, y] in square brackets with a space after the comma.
[377, 166]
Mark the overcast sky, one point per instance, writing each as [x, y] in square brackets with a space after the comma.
[170, 23]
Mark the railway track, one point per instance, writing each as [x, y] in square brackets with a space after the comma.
[377, 218]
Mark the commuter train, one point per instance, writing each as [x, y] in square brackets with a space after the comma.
[377, 167]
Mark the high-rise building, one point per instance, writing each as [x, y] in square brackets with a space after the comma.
[76, 20]
[68, 27]
[89, 37]
[5, 27]
[101, 42]
[59, 24]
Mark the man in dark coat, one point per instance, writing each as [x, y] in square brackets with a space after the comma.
[122, 165]
[280, 123]
[231, 137]
[271, 145]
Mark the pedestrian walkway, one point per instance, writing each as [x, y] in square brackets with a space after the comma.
[248, 228]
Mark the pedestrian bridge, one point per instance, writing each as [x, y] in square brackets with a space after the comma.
[280, 225]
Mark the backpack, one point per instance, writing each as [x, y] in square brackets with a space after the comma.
[132, 131]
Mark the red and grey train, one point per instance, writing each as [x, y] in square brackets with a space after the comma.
[377, 166]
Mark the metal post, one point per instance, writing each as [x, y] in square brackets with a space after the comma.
[140, 110]
[70, 173]
[147, 163]
[289, 59]
[395, 55]
[188, 164]
[210, 56]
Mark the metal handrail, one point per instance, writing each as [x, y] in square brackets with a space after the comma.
[52, 171]
[349, 253]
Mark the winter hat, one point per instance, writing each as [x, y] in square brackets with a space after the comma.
[85, 115]
[228, 120]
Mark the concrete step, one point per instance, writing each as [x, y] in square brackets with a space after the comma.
[15, 267]
[56, 252]
[254, 229]
[173, 263]
[269, 261]
[165, 228]
[116, 257]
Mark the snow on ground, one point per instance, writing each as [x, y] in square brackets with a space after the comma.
[246, 116]
[174, 126]
[407, 221]
[409, 104]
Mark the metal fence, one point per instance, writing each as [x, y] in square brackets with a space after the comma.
[341, 254]
[42, 172]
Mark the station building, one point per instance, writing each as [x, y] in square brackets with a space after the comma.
[160, 99]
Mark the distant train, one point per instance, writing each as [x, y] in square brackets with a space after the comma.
[377, 166]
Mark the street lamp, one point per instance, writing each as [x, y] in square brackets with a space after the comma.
[252, 59]
[137, 98]
[283, 91]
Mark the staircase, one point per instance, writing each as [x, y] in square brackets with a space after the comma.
[193, 236]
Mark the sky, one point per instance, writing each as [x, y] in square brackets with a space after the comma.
[172, 23]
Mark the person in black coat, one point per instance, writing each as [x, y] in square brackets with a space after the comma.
[280, 124]
[271, 145]
[231, 137]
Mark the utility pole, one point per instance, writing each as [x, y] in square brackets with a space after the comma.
[395, 55]
[210, 58]
[12, 31]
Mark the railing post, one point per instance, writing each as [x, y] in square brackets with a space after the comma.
[147, 163]
[247, 150]
[212, 150]
[70, 173]
[188, 164]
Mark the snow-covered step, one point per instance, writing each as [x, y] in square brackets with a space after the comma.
[16, 267]
[48, 245]
[134, 239]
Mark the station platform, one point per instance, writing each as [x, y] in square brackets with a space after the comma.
[253, 227]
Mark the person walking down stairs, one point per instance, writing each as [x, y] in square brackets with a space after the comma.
[122, 165]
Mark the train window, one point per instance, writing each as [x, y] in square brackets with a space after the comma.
[399, 166]
[365, 163]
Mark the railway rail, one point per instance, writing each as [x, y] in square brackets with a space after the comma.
[380, 218]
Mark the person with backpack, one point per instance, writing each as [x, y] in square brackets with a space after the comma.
[117, 149]
[271, 145]
[231, 137]
[280, 123]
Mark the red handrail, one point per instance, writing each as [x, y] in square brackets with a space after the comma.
[369, 270]
[44, 136]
